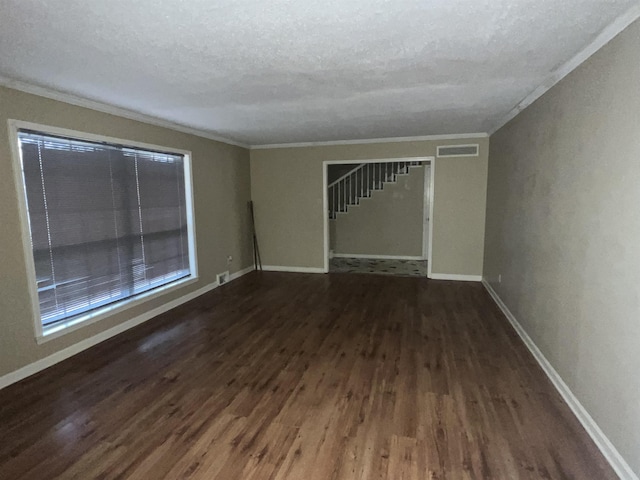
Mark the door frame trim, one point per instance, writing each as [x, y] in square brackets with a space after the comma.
[325, 201]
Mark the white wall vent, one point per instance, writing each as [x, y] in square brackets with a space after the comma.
[458, 150]
[223, 277]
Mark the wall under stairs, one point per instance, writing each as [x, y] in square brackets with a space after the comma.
[389, 223]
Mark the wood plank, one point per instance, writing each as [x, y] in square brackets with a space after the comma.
[287, 376]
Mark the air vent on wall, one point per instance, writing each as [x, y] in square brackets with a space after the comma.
[458, 150]
[223, 277]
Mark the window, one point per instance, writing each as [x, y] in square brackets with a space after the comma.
[107, 223]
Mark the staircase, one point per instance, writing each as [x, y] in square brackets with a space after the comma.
[361, 182]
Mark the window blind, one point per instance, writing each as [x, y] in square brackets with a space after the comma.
[107, 222]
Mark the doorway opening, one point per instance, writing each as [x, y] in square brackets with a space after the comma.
[377, 215]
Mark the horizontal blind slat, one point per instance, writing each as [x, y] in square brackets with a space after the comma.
[107, 221]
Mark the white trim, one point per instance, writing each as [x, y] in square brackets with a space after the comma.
[64, 327]
[426, 213]
[25, 229]
[240, 273]
[380, 160]
[44, 334]
[98, 106]
[190, 209]
[604, 37]
[431, 198]
[15, 125]
[477, 154]
[72, 350]
[366, 141]
[378, 257]
[112, 110]
[325, 217]
[325, 199]
[280, 268]
[605, 446]
[455, 276]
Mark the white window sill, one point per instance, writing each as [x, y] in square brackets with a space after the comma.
[66, 326]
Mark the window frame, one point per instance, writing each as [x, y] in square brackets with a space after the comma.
[46, 333]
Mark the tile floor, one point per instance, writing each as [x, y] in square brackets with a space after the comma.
[410, 268]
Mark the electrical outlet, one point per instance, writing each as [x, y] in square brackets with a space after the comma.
[500, 278]
[229, 260]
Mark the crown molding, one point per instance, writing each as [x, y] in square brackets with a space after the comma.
[111, 109]
[455, 136]
[604, 37]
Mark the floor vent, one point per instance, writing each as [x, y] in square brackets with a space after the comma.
[223, 277]
[458, 151]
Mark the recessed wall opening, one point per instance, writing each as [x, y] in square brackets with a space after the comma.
[377, 216]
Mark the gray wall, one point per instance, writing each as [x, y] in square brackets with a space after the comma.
[563, 229]
[390, 222]
[221, 190]
[286, 186]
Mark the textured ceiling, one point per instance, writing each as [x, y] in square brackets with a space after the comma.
[292, 71]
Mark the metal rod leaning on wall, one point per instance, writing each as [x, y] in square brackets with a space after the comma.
[256, 251]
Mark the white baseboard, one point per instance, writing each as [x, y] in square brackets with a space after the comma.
[279, 268]
[610, 452]
[72, 350]
[242, 272]
[377, 257]
[454, 276]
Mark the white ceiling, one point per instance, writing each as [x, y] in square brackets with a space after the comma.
[281, 71]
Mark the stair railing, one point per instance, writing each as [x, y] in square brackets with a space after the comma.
[361, 181]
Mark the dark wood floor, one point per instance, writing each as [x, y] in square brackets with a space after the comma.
[302, 377]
